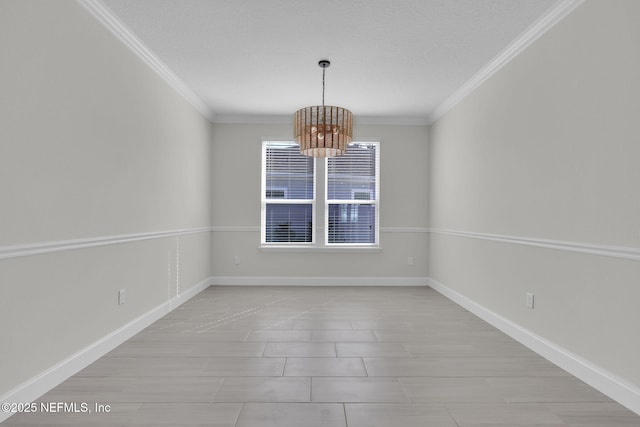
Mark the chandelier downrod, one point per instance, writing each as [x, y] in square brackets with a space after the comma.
[324, 64]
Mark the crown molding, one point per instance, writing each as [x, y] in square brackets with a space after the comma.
[107, 18]
[391, 120]
[288, 119]
[554, 15]
[269, 119]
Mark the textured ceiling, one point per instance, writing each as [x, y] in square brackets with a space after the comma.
[389, 58]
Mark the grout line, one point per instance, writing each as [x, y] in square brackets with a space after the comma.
[265, 349]
[344, 409]
[234, 317]
[293, 317]
[239, 412]
[406, 395]
[411, 356]
[446, 408]
[365, 366]
[213, 396]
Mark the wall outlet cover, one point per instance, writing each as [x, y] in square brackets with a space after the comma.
[529, 300]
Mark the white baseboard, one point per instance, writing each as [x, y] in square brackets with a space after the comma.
[607, 383]
[317, 281]
[47, 380]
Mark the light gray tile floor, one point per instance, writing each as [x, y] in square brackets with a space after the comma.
[339, 356]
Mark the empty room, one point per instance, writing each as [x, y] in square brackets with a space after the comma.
[301, 213]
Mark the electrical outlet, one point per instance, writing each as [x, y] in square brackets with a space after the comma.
[529, 300]
[410, 260]
[122, 295]
[236, 260]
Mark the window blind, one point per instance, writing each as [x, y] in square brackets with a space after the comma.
[352, 195]
[288, 194]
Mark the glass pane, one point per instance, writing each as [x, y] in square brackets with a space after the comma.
[289, 174]
[289, 223]
[352, 223]
[352, 176]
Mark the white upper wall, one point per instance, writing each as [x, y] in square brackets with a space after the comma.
[548, 148]
[93, 142]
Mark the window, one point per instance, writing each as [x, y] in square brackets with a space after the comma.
[288, 194]
[350, 189]
[351, 213]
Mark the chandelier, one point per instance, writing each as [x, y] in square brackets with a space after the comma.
[323, 130]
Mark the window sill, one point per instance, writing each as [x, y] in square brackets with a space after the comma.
[352, 249]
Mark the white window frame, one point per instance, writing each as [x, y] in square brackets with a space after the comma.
[353, 201]
[319, 210]
[285, 201]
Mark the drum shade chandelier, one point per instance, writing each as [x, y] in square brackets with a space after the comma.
[323, 130]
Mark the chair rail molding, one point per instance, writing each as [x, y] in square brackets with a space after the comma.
[15, 251]
[623, 252]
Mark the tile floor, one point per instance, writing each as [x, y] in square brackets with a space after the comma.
[340, 356]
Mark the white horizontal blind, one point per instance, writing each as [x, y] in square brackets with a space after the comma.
[288, 194]
[352, 183]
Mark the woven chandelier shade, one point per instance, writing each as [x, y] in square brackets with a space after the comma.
[323, 130]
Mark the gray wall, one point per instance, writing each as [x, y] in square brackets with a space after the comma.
[236, 211]
[548, 149]
[93, 144]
